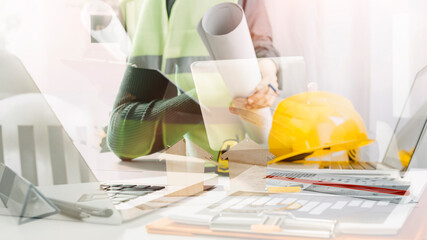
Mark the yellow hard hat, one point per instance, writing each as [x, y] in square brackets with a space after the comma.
[313, 123]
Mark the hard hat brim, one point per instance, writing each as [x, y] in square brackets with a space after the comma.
[322, 150]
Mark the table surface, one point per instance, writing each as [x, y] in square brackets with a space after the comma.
[53, 229]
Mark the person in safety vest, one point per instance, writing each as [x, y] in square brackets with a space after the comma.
[148, 116]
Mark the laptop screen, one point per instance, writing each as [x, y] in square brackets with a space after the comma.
[33, 142]
[409, 131]
[35, 146]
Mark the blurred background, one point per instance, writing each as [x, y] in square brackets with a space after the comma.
[366, 50]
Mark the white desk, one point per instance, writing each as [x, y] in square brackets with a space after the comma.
[64, 230]
[50, 229]
[107, 167]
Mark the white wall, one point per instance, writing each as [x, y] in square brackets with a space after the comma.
[52, 40]
[366, 50]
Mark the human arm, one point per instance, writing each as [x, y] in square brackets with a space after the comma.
[260, 28]
[141, 112]
[262, 39]
[261, 34]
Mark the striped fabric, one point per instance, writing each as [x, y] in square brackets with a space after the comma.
[43, 155]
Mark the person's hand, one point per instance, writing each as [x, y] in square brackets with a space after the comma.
[238, 107]
[264, 95]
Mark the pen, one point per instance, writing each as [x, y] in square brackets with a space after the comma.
[69, 210]
[80, 211]
[273, 88]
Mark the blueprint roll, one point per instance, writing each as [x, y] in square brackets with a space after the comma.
[225, 33]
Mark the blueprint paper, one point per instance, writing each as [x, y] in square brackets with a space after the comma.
[225, 33]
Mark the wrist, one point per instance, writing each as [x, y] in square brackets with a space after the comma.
[267, 67]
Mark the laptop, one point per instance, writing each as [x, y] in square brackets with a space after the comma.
[35, 145]
[326, 206]
[408, 133]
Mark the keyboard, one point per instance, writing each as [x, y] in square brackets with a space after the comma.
[120, 193]
[347, 165]
[360, 187]
[352, 163]
[343, 165]
[304, 205]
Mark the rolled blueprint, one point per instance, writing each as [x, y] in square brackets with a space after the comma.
[225, 33]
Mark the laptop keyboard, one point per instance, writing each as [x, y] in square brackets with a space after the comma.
[347, 165]
[120, 193]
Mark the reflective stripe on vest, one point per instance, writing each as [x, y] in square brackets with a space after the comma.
[182, 64]
[148, 61]
[173, 65]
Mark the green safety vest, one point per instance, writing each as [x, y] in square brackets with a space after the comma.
[170, 44]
